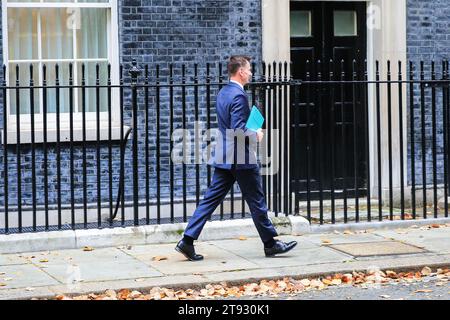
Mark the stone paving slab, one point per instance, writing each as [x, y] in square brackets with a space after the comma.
[76, 256]
[408, 255]
[97, 265]
[334, 238]
[435, 240]
[298, 256]
[21, 293]
[24, 276]
[376, 248]
[440, 245]
[102, 271]
[241, 247]
[216, 259]
[414, 233]
[11, 259]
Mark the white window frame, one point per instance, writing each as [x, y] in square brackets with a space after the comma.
[91, 118]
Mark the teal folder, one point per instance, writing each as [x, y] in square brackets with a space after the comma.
[255, 120]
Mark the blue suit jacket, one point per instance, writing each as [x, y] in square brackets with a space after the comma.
[235, 144]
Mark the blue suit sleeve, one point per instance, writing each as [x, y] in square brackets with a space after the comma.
[239, 115]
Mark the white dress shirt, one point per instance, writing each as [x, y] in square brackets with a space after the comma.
[240, 85]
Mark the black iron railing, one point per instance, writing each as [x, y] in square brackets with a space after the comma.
[342, 143]
[369, 142]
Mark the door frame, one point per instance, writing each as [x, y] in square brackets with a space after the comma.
[322, 44]
[386, 40]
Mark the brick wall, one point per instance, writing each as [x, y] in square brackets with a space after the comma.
[179, 32]
[428, 39]
[170, 31]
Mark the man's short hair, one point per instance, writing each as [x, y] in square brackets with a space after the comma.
[237, 62]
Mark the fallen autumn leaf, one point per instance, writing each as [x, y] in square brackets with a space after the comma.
[159, 258]
[336, 282]
[305, 282]
[426, 271]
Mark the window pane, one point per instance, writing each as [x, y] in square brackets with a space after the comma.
[24, 94]
[99, 1]
[63, 76]
[22, 33]
[90, 78]
[57, 33]
[92, 34]
[345, 23]
[300, 23]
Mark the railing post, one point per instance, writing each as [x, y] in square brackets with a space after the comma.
[134, 73]
[5, 150]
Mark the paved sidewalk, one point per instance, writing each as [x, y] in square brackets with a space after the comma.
[75, 271]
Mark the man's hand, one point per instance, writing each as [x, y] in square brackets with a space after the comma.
[260, 135]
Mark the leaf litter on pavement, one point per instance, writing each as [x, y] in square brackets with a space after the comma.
[273, 288]
[286, 285]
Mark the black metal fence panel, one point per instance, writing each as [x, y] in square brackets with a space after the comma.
[342, 143]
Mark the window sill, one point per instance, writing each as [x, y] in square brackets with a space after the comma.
[91, 135]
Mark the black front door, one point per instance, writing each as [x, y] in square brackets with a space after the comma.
[324, 31]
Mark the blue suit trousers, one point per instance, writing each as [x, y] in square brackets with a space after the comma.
[250, 183]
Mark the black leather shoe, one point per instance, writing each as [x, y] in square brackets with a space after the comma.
[188, 251]
[279, 247]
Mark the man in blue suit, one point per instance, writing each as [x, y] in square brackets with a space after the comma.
[234, 159]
